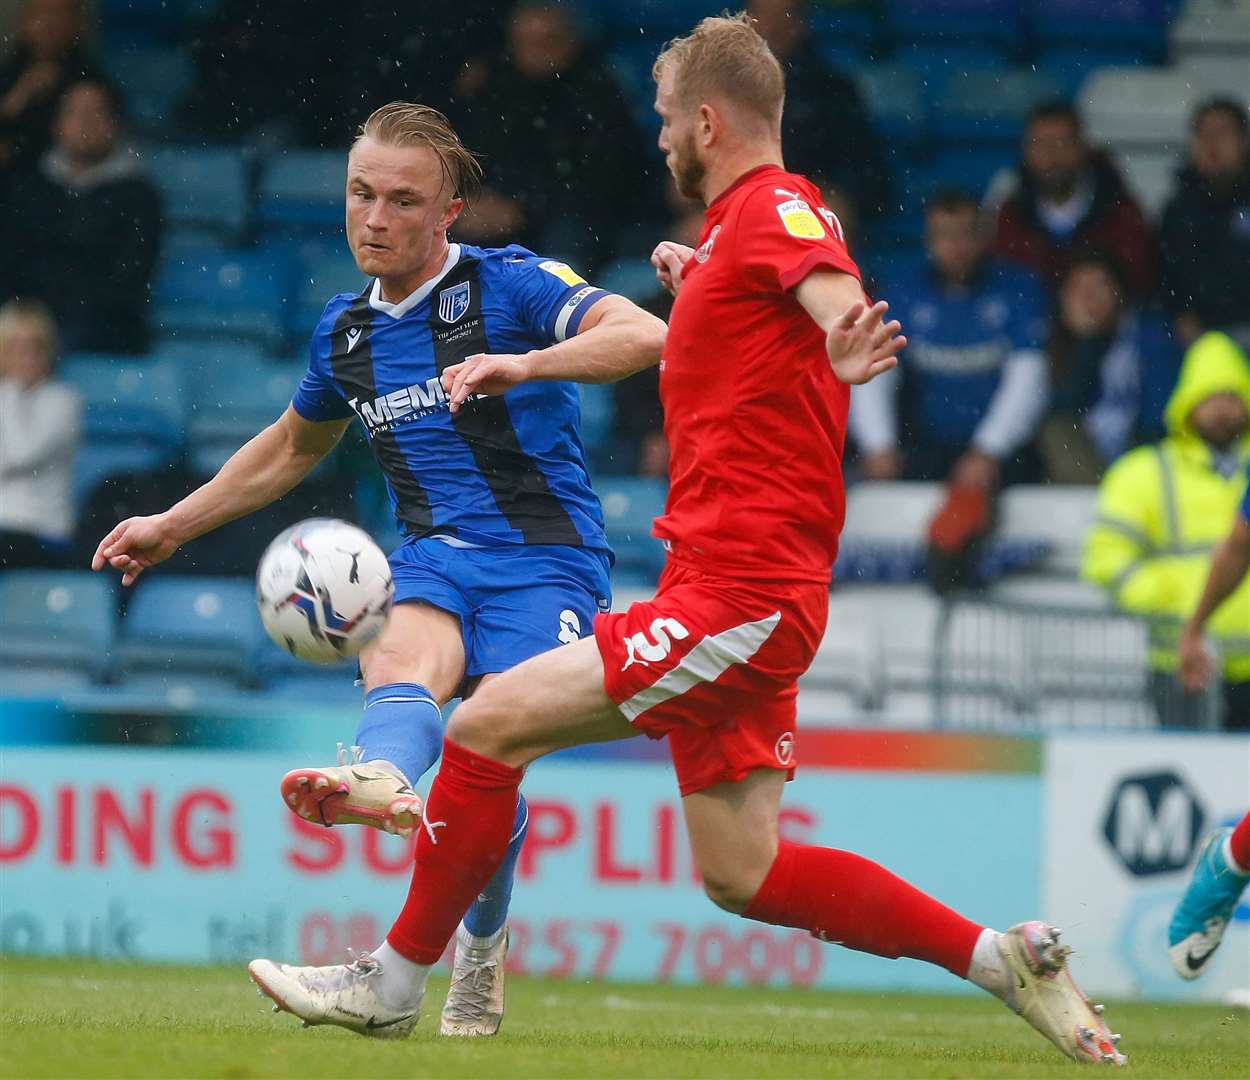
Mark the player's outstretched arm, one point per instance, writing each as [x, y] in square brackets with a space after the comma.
[615, 339]
[859, 342]
[1229, 565]
[262, 470]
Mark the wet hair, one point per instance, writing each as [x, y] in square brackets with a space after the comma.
[402, 123]
[725, 55]
[1101, 258]
[1229, 105]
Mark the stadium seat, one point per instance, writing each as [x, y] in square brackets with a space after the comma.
[64, 619]
[207, 292]
[204, 190]
[845, 35]
[953, 20]
[634, 278]
[1152, 177]
[325, 689]
[127, 399]
[1128, 107]
[1057, 514]
[629, 507]
[898, 100]
[1212, 28]
[95, 462]
[937, 63]
[1138, 24]
[597, 414]
[201, 625]
[967, 167]
[890, 513]
[234, 395]
[991, 104]
[154, 79]
[303, 189]
[321, 274]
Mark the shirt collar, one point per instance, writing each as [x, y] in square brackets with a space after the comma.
[400, 309]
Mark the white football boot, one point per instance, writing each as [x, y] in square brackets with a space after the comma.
[475, 999]
[352, 793]
[1043, 993]
[347, 995]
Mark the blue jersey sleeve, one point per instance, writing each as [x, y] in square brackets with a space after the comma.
[551, 297]
[1029, 311]
[318, 398]
[1245, 499]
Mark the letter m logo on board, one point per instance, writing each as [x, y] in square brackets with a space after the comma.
[453, 302]
[1153, 823]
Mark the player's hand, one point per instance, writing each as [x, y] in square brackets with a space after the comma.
[861, 345]
[134, 545]
[668, 258]
[975, 469]
[1196, 664]
[482, 374]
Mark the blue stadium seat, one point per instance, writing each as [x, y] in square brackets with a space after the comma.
[304, 189]
[201, 625]
[209, 292]
[57, 619]
[845, 35]
[990, 105]
[321, 275]
[95, 462]
[203, 189]
[598, 410]
[334, 688]
[968, 168]
[234, 395]
[155, 80]
[954, 21]
[938, 63]
[634, 278]
[1140, 25]
[898, 100]
[127, 399]
[630, 504]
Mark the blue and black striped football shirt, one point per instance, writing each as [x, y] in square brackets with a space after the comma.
[502, 470]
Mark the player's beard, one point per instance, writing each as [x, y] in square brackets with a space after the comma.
[688, 171]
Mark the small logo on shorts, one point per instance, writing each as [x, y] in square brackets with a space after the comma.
[570, 627]
[640, 650]
[785, 749]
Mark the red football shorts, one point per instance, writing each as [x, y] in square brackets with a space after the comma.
[713, 663]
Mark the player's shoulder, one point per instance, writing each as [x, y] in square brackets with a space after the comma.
[774, 195]
[333, 311]
[514, 264]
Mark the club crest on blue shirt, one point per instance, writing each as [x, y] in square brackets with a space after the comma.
[453, 302]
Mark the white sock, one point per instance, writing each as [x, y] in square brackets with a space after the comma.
[988, 969]
[402, 981]
[473, 941]
[390, 767]
[1226, 849]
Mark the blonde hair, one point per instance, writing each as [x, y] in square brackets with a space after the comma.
[725, 55]
[402, 123]
[28, 311]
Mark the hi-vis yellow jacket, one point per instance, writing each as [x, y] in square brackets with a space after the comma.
[1162, 509]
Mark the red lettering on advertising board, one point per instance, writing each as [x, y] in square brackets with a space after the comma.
[27, 832]
[387, 854]
[218, 850]
[136, 831]
[552, 825]
[66, 812]
[607, 868]
[321, 848]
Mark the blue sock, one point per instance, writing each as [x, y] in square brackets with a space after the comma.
[402, 724]
[490, 910]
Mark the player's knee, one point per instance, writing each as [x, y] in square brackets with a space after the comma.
[729, 889]
[482, 723]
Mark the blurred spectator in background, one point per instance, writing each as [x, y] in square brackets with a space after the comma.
[639, 444]
[1162, 509]
[1205, 235]
[827, 132]
[1103, 354]
[83, 231]
[1069, 196]
[39, 426]
[49, 56]
[970, 389]
[563, 158]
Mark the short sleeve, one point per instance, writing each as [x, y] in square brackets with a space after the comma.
[318, 398]
[551, 297]
[784, 236]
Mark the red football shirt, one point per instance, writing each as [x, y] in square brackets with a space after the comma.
[755, 417]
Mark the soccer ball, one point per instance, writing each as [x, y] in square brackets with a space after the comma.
[324, 590]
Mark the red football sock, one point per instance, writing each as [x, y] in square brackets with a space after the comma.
[468, 822]
[849, 900]
[1239, 843]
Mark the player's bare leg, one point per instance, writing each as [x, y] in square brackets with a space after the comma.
[844, 898]
[420, 647]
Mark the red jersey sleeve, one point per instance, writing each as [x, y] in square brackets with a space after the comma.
[786, 234]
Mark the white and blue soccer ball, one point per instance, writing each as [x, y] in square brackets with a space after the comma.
[324, 590]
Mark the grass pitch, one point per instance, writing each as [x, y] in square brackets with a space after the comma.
[80, 1019]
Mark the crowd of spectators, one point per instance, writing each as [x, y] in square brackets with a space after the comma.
[1047, 318]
